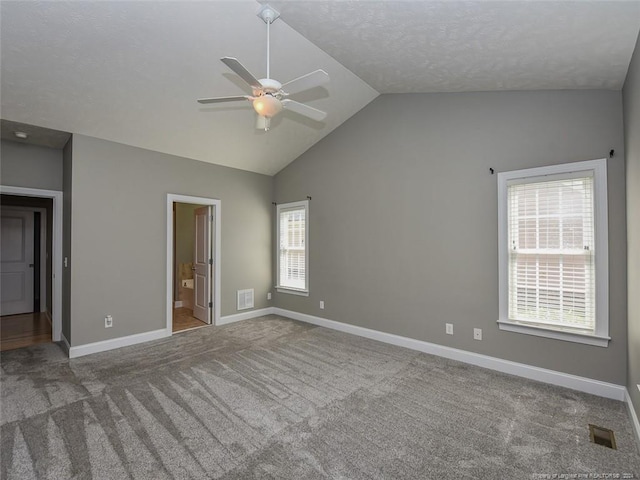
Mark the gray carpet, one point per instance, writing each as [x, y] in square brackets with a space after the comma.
[274, 398]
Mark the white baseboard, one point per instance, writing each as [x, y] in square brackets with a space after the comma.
[245, 315]
[634, 418]
[582, 384]
[105, 345]
[178, 304]
[65, 344]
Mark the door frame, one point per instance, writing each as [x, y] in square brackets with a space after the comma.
[215, 241]
[56, 283]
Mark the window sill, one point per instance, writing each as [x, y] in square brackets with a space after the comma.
[539, 331]
[293, 291]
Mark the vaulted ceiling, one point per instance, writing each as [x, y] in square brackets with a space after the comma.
[131, 71]
[449, 46]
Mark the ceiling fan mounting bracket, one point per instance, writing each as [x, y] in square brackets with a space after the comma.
[268, 14]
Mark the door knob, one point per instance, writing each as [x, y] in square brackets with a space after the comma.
[31, 265]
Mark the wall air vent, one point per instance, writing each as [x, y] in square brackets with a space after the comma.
[245, 299]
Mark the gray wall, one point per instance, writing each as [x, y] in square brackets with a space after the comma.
[67, 153]
[403, 220]
[631, 96]
[119, 234]
[30, 166]
[184, 239]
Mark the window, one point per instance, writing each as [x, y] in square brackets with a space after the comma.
[553, 252]
[293, 260]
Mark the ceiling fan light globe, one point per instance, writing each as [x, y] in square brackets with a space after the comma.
[267, 106]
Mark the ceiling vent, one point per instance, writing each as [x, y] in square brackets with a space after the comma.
[245, 299]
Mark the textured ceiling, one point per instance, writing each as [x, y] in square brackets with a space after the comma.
[130, 72]
[447, 46]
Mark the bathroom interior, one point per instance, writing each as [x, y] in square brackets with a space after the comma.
[184, 238]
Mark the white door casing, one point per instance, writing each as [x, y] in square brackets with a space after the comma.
[56, 196]
[16, 262]
[201, 264]
[216, 243]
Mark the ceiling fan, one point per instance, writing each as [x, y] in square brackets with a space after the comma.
[269, 96]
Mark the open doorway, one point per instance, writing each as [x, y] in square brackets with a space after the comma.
[30, 267]
[25, 272]
[193, 267]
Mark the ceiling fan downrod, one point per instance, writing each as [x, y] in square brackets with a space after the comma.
[268, 15]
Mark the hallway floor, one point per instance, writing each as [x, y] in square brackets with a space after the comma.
[23, 330]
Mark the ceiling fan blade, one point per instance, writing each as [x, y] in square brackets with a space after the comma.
[305, 82]
[242, 72]
[224, 99]
[305, 110]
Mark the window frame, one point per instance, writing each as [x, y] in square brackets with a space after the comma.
[303, 204]
[598, 168]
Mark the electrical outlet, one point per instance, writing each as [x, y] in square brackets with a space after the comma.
[321, 304]
[268, 295]
[449, 328]
[108, 321]
[477, 334]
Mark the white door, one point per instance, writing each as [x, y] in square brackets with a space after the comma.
[16, 262]
[202, 265]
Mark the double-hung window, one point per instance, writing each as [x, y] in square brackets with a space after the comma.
[293, 247]
[553, 252]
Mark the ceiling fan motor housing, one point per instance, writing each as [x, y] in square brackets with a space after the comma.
[269, 85]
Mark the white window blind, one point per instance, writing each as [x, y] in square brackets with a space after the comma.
[292, 255]
[551, 259]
